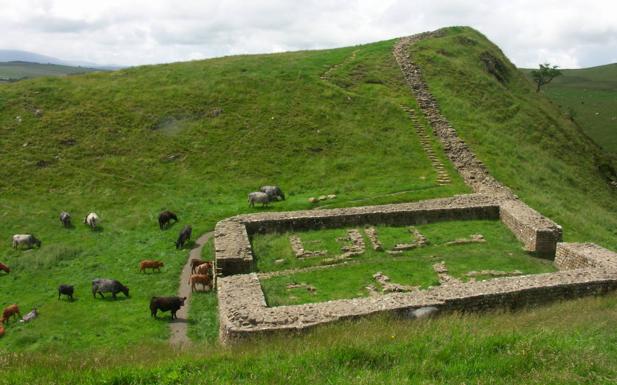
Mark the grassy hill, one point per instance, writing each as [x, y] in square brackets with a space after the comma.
[589, 95]
[18, 70]
[196, 137]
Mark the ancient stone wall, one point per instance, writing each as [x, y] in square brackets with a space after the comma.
[572, 256]
[539, 234]
[585, 269]
[243, 311]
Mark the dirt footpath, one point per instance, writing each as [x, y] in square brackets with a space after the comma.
[179, 326]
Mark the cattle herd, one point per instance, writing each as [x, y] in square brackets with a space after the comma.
[202, 272]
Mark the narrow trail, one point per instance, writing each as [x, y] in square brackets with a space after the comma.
[179, 326]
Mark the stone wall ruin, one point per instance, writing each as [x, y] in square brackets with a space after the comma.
[584, 269]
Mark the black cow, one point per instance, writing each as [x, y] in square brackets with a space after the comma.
[101, 286]
[165, 218]
[172, 304]
[184, 236]
[67, 290]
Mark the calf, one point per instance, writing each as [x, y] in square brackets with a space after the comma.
[184, 236]
[165, 218]
[25, 239]
[194, 263]
[204, 268]
[10, 311]
[172, 304]
[67, 290]
[203, 279]
[150, 264]
[101, 286]
[65, 218]
[92, 220]
[4, 268]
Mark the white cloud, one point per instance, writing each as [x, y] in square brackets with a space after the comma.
[569, 33]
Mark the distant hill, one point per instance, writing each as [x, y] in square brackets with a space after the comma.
[7, 55]
[18, 70]
[589, 95]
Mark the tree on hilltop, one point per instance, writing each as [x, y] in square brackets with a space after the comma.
[544, 75]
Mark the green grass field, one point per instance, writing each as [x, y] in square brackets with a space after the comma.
[589, 96]
[197, 137]
[16, 70]
[131, 143]
[414, 267]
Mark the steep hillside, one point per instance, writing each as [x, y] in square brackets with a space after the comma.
[589, 95]
[523, 138]
[194, 138]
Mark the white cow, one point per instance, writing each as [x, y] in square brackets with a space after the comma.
[25, 239]
[92, 220]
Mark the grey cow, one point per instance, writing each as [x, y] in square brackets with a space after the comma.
[258, 197]
[274, 192]
[112, 286]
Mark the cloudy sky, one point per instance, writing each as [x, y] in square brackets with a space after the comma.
[569, 33]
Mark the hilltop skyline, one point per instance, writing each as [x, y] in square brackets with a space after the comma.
[570, 34]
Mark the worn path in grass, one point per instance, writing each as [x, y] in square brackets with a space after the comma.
[179, 326]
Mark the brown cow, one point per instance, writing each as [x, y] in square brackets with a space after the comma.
[150, 264]
[1, 330]
[203, 279]
[10, 311]
[4, 268]
[204, 268]
[194, 263]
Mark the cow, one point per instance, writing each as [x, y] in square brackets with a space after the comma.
[258, 197]
[150, 264]
[25, 239]
[92, 220]
[204, 268]
[65, 218]
[184, 236]
[101, 286]
[203, 279]
[5, 268]
[67, 290]
[1, 330]
[274, 192]
[10, 311]
[165, 218]
[194, 263]
[172, 304]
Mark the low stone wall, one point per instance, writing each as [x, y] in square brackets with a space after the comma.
[243, 311]
[233, 251]
[537, 233]
[572, 256]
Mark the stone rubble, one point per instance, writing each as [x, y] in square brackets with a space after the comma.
[371, 233]
[419, 240]
[474, 238]
[299, 251]
[442, 273]
[389, 287]
[493, 273]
